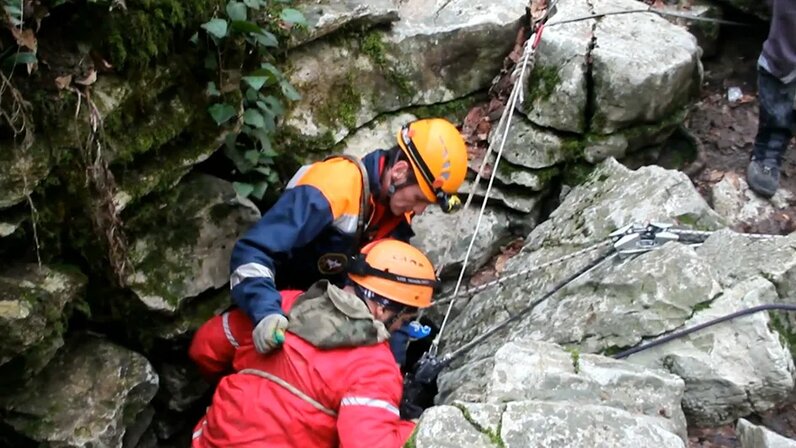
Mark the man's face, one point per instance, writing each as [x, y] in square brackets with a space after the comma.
[407, 198]
[386, 315]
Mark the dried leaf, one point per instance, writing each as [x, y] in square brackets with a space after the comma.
[62, 82]
[90, 79]
[25, 38]
[100, 62]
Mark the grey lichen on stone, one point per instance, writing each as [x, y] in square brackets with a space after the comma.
[33, 305]
[86, 396]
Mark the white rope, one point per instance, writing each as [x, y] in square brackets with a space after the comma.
[516, 93]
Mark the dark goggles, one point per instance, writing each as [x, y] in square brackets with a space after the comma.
[449, 203]
[395, 307]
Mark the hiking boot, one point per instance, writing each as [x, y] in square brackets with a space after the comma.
[763, 178]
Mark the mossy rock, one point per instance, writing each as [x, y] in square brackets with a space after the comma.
[159, 124]
[348, 81]
[87, 396]
[35, 303]
[190, 317]
[21, 169]
[144, 32]
[181, 241]
[163, 167]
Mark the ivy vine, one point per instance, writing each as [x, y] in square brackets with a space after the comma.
[248, 90]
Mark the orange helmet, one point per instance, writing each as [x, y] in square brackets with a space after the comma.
[395, 271]
[438, 155]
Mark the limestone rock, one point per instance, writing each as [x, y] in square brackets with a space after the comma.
[34, 308]
[447, 427]
[548, 425]
[445, 238]
[753, 436]
[181, 242]
[733, 199]
[633, 81]
[732, 369]
[523, 369]
[557, 93]
[325, 17]
[87, 396]
[433, 54]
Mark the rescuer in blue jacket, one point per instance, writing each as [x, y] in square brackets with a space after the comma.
[330, 209]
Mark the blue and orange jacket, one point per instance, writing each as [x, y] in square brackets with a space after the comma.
[309, 231]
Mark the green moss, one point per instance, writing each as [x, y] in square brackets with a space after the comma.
[787, 336]
[164, 166]
[613, 350]
[342, 106]
[302, 147]
[546, 175]
[542, 82]
[166, 230]
[373, 46]
[492, 434]
[411, 442]
[574, 353]
[130, 135]
[573, 148]
[146, 30]
[702, 306]
[692, 221]
[637, 136]
[454, 111]
[576, 173]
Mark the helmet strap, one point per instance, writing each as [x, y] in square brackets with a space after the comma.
[359, 266]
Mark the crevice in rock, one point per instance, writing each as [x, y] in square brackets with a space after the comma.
[612, 350]
[591, 94]
[493, 435]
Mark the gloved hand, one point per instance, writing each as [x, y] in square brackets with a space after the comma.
[269, 333]
[416, 330]
[410, 331]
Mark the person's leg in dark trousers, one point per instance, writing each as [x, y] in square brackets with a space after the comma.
[774, 132]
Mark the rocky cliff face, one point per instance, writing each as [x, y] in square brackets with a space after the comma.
[118, 213]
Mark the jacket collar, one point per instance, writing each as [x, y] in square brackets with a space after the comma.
[373, 164]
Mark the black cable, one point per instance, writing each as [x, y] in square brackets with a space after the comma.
[687, 331]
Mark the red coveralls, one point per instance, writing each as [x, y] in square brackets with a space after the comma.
[362, 385]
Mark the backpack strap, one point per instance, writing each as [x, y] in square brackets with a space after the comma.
[364, 203]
